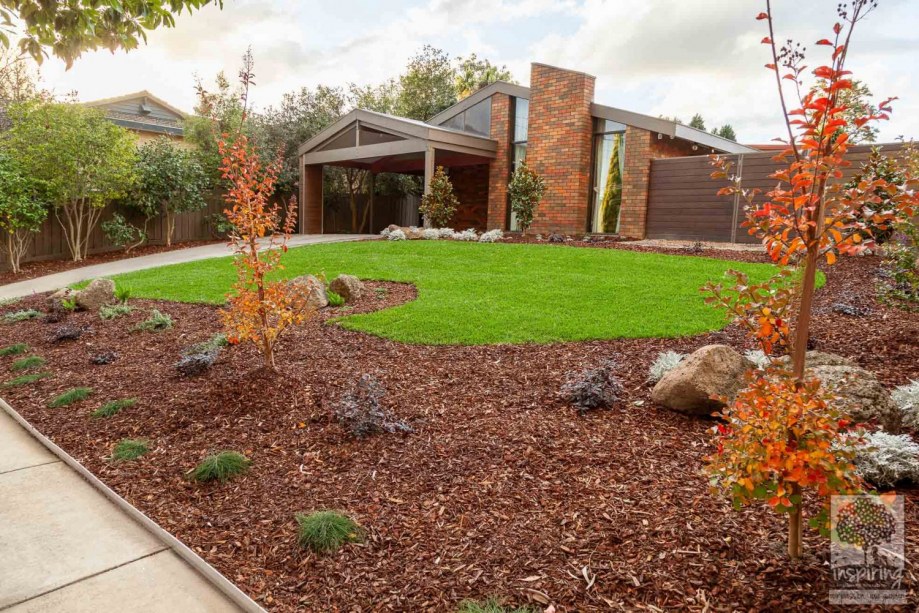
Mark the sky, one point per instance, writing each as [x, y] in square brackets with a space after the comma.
[658, 57]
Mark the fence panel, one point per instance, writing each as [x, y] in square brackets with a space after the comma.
[682, 197]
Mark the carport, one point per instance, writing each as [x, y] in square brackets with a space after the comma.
[377, 143]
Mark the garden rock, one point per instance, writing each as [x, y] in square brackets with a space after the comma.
[712, 370]
[58, 297]
[861, 395]
[348, 287]
[316, 297]
[99, 292]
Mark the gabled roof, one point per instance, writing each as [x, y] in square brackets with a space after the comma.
[408, 136]
[138, 95]
[629, 118]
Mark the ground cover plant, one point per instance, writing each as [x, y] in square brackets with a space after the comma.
[26, 379]
[490, 293]
[28, 363]
[113, 407]
[221, 466]
[156, 322]
[14, 349]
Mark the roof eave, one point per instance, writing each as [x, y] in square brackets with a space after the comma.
[498, 87]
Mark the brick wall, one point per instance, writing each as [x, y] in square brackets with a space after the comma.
[559, 146]
[640, 147]
[471, 187]
[499, 169]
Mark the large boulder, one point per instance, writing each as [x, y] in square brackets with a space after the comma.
[347, 286]
[97, 294]
[713, 370]
[316, 296]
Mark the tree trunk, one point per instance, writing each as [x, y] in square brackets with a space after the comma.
[11, 253]
[170, 227]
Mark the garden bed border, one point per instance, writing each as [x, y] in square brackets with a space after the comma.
[223, 585]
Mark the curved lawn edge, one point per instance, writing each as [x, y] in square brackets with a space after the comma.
[474, 294]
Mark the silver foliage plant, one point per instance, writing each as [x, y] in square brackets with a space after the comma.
[664, 363]
[888, 459]
[907, 398]
[360, 412]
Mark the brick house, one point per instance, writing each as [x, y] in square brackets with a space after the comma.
[595, 159]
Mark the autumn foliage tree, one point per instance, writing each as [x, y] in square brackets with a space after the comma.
[782, 435]
[259, 309]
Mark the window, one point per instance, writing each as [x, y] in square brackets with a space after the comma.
[609, 163]
[519, 146]
[475, 119]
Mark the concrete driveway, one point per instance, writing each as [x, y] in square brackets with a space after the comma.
[63, 279]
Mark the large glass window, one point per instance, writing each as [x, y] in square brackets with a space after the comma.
[475, 119]
[519, 146]
[609, 163]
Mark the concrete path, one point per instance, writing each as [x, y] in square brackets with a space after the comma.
[63, 279]
[65, 547]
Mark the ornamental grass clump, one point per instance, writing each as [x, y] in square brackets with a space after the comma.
[221, 467]
[71, 396]
[594, 388]
[129, 449]
[26, 379]
[15, 349]
[327, 531]
[888, 459]
[360, 412]
[29, 363]
[492, 605]
[112, 408]
[664, 363]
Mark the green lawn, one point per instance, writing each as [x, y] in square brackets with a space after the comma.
[470, 293]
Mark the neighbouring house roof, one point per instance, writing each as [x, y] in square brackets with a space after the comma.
[629, 118]
[368, 138]
[142, 111]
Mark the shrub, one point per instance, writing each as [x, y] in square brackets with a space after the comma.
[155, 323]
[876, 167]
[221, 466]
[359, 411]
[217, 341]
[106, 357]
[335, 300]
[123, 234]
[14, 349]
[66, 332]
[594, 388]
[326, 531]
[759, 358]
[469, 235]
[218, 225]
[196, 363]
[901, 254]
[430, 234]
[111, 311]
[111, 408]
[23, 315]
[492, 236]
[70, 396]
[907, 398]
[492, 605]
[664, 363]
[26, 379]
[888, 459]
[396, 235]
[445, 232]
[439, 204]
[525, 191]
[29, 363]
[22, 210]
[129, 449]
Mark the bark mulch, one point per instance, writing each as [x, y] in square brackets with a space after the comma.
[32, 270]
[501, 490]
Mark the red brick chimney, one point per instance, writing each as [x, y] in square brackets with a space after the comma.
[559, 145]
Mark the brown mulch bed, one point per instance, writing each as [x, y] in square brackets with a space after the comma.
[501, 490]
[32, 270]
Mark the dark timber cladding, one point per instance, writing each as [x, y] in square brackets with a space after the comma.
[683, 203]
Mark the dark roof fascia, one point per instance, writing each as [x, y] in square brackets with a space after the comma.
[147, 127]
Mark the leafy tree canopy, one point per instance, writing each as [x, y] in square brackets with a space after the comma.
[427, 86]
[725, 131]
[67, 29]
[473, 74]
[857, 101]
[697, 122]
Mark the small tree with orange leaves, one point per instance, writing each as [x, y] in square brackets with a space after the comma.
[782, 434]
[259, 310]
